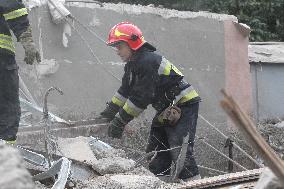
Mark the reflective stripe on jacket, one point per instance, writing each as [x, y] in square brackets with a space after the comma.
[13, 16]
[151, 79]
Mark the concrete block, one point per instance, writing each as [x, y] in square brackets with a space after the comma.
[113, 165]
[77, 149]
[12, 170]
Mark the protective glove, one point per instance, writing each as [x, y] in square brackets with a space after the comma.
[170, 116]
[116, 127]
[110, 111]
[31, 53]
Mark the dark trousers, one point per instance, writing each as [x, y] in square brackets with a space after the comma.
[9, 97]
[165, 137]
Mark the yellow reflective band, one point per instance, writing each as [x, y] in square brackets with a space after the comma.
[166, 66]
[177, 70]
[118, 33]
[6, 42]
[192, 94]
[11, 142]
[15, 14]
[117, 101]
[167, 69]
[131, 109]
[6, 37]
[8, 47]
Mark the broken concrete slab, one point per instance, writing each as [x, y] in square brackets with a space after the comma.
[113, 165]
[104, 150]
[12, 170]
[77, 149]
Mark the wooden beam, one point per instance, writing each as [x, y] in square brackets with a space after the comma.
[248, 129]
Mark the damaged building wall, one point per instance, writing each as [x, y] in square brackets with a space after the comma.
[206, 47]
[237, 72]
[267, 66]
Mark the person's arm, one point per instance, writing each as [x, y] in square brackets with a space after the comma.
[16, 15]
[140, 97]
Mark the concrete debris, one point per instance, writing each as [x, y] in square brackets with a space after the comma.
[103, 150]
[113, 165]
[273, 134]
[61, 169]
[135, 181]
[32, 157]
[280, 124]
[76, 149]
[121, 182]
[268, 180]
[81, 172]
[12, 170]
[141, 171]
[40, 186]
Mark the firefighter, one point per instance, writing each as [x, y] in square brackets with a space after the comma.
[13, 17]
[150, 78]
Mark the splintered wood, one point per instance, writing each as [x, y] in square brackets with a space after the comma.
[248, 129]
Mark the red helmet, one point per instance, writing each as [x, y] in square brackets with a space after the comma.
[127, 32]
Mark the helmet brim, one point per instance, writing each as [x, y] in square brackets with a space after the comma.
[114, 43]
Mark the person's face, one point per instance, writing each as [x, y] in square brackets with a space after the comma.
[124, 51]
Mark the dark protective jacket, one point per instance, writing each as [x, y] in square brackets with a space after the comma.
[150, 78]
[13, 16]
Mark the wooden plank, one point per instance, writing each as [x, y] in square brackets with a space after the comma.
[248, 129]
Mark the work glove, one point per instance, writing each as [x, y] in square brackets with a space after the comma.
[110, 111]
[170, 116]
[116, 127]
[31, 53]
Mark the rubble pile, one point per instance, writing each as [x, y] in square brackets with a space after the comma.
[268, 180]
[273, 134]
[96, 164]
[12, 170]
